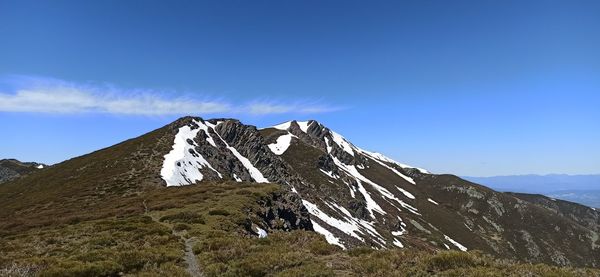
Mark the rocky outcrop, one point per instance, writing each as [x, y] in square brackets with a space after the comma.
[284, 211]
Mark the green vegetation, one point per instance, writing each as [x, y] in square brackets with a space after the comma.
[218, 218]
[140, 243]
[185, 217]
[95, 248]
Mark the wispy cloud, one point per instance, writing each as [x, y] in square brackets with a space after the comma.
[46, 95]
[298, 107]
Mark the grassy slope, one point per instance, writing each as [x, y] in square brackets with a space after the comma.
[217, 216]
[100, 184]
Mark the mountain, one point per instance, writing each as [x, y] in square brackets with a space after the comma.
[583, 189]
[216, 182]
[11, 169]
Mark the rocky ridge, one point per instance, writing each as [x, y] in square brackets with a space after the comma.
[361, 198]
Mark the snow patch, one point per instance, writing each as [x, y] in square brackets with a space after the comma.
[381, 157]
[329, 173]
[349, 225]
[204, 128]
[406, 193]
[431, 200]
[362, 224]
[254, 172]
[40, 166]
[352, 193]
[283, 126]
[342, 142]
[399, 233]
[330, 237]
[371, 205]
[286, 125]
[181, 166]
[282, 144]
[402, 230]
[237, 179]
[261, 233]
[304, 125]
[398, 243]
[458, 245]
[470, 229]
[329, 148]
[346, 227]
[408, 179]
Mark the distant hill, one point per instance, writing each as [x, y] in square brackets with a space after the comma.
[583, 189]
[11, 169]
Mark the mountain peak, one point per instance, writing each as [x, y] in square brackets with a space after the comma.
[296, 124]
[354, 197]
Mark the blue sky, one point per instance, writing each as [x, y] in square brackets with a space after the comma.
[466, 87]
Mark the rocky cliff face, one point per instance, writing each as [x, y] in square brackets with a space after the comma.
[284, 211]
[360, 198]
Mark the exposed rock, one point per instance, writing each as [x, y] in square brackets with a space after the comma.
[284, 211]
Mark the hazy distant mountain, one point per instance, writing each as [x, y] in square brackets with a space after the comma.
[584, 189]
[539, 183]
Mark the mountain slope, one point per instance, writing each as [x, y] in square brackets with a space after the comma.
[353, 197]
[356, 197]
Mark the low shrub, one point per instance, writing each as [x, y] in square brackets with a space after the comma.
[219, 212]
[358, 251]
[181, 226]
[452, 259]
[185, 217]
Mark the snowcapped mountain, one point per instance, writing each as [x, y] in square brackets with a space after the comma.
[360, 198]
[351, 196]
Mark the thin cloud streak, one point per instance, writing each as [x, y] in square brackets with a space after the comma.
[76, 101]
[43, 95]
[301, 108]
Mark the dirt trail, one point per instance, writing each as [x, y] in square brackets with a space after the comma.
[193, 268]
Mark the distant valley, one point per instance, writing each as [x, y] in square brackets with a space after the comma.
[583, 189]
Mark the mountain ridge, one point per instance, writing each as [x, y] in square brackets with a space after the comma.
[353, 197]
[369, 195]
[13, 168]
